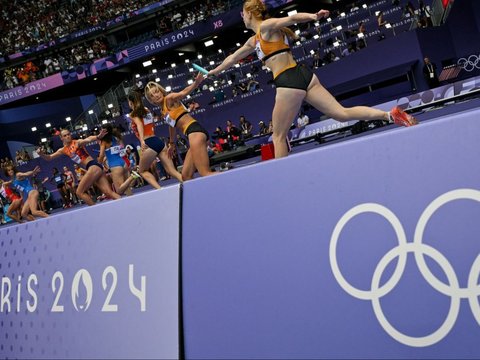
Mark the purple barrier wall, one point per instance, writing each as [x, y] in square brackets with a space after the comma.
[99, 282]
[365, 249]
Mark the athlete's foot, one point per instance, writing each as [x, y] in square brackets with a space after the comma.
[401, 118]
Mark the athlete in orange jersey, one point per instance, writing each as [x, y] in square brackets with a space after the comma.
[144, 128]
[176, 115]
[295, 83]
[75, 149]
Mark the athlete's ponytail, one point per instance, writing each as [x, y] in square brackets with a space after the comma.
[135, 97]
[259, 11]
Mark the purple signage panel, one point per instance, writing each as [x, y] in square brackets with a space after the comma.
[32, 88]
[362, 249]
[99, 282]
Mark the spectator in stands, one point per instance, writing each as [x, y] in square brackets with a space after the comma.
[294, 82]
[246, 127]
[430, 73]
[302, 120]
[262, 128]
[361, 28]
[252, 85]
[316, 59]
[380, 20]
[182, 147]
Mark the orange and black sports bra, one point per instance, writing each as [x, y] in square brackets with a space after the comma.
[266, 49]
[75, 152]
[148, 126]
[171, 116]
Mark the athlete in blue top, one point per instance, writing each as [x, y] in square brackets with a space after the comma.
[21, 182]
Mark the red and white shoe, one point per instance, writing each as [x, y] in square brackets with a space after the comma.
[401, 118]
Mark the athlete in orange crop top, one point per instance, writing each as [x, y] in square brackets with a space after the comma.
[75, 149]
[176, 115]
[295, 83]
[144, 128]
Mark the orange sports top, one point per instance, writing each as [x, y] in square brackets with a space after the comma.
[171, 116]
[148, 126]
[75, 152]
[267, 49]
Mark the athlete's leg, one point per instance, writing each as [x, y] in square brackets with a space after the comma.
[323, 101]
[168, 165]
[199, 153]
[87, 181]
[105, 187]
[146, 160]
[33, 200]
[287, 105]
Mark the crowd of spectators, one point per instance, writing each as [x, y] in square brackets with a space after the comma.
[52, 19]
[30, 23]
[44, 66]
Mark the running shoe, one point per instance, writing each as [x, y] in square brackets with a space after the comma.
[400, 117]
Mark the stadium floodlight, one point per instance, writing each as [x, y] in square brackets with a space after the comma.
[168, 88]
[90, 112]
[68, 119]
[293, 12]
[110, 106]
[47, 125]
[208, 43]
[147, 63]
[44, 140]
[34, 129]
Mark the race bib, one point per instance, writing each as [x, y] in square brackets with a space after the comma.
[76, 158]
[169, 120]
[115, 149]
[148, 119]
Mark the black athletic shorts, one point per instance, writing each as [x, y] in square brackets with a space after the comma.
[155, 144]
[94, 163]
[196, 127]
[298, 77]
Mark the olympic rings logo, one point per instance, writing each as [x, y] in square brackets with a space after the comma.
[469, 64]
[452, 289]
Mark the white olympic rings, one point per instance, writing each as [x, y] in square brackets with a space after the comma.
[452, 289]
[469, 64]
